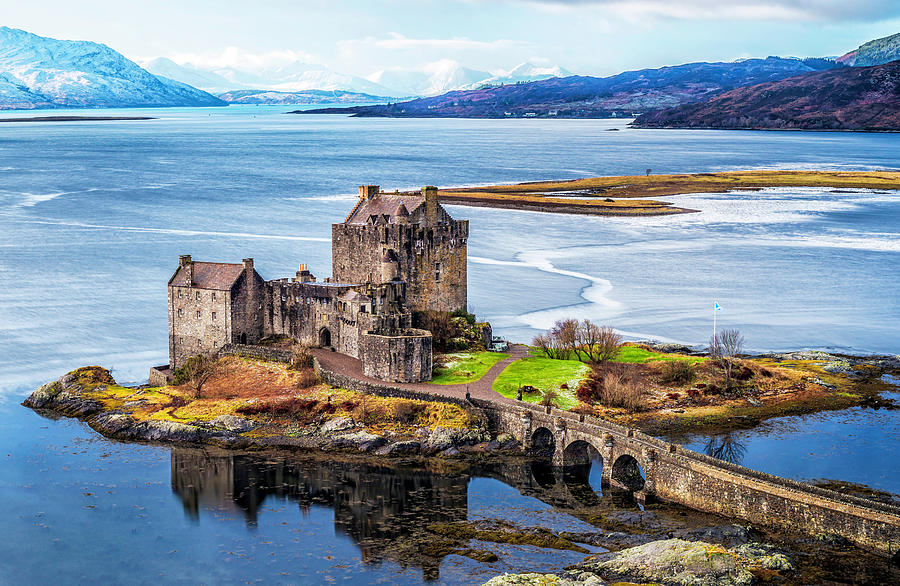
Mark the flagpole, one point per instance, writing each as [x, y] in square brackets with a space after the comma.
[715, 309]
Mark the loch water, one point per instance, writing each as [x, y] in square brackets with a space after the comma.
[93, 216]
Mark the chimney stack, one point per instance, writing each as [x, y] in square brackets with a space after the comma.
[431, 203]
[248, 264]
[368, 191]
[184, 259]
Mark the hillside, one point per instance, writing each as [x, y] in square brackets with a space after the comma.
[857, 98]
[39, 72]
[592, 97]
[877, 52]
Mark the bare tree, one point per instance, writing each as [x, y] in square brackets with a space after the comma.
[197, 371]
[605, 344]
[565, 331]
[725, 347]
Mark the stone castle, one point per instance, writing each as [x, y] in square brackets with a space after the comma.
[394, 255]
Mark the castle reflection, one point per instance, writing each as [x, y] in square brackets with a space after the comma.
[385, 510]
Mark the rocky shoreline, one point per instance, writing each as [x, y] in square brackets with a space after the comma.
[68, 397]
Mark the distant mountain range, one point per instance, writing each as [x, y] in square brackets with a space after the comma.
[301, 97]
[433, 79]
[857, 98]
[39, 72]
[594, 97]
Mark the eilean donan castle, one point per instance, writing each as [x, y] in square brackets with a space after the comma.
[394, 255]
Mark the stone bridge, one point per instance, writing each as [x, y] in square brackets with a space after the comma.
[654, 469]
[650, 467]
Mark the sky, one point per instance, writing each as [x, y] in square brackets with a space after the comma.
[359, 37]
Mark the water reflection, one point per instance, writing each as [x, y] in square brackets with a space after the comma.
[385, 509]
[726, 447]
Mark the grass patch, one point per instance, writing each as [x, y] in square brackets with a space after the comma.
[641, 355]
[545, 374]
[466, 367]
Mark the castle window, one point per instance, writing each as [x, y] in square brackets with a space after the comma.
[180, 312]
[213, 295]
[198, 313]
[437, 271]
[180, 292]
[198, 295]
[214, 316]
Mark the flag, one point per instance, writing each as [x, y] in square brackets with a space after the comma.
[718, 307]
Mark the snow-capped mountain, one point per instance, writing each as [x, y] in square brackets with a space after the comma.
[431, 80]
[523, 72]
[295, 77]
[40, 72]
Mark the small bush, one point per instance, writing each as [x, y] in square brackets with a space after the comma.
[620, 391]
[404, 411]
[678, 372]
[308, 378]
[549, 398]
[673, 396]
[301, 357]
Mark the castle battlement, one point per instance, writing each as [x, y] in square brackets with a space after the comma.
[394, 255]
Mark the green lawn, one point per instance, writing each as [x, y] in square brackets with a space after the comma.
[640, 355]
[467, 367]
[544, 374]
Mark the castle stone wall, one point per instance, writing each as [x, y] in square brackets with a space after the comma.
[402, 358]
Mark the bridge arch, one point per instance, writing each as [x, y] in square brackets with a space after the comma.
[582, 472]
[543, 444]
[627, 473]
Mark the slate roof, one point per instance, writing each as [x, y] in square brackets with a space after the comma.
[209, 275]
[384, 204]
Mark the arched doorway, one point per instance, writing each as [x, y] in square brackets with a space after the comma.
[628, 473]
[243, 338]
[583, 471]
[542, 443]
[324, 337]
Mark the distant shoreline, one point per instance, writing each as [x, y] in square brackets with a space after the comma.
[634, 195]
[75, 118]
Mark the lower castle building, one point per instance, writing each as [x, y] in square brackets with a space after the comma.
[394, 255]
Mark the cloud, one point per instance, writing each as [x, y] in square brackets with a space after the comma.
[398, 41]
[237, 58]
[807, 10]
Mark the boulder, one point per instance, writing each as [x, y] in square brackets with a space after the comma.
[836, 366]
[361, 440]
[764, 556]
[43, 395]
[535, 579]
[399, 448]
[337, 425]
[232, 423]
[727, 535]
[674, 562]
[156, 430]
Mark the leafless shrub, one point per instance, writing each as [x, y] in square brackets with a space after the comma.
[301, 357]
[196, 372]
[620, 391]
[725, 346]
[600, 343]
[678, 372]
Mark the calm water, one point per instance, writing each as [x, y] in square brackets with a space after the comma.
[94, 215]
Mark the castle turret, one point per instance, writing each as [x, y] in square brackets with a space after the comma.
[390, 269]
[431, 203]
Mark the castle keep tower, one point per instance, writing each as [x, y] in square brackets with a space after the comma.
[408, 236]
